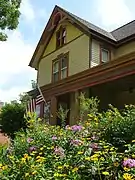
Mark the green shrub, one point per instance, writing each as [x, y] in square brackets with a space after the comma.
[50, 152]
[119, 126]
[12, 118]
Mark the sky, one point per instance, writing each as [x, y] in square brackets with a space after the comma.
[16, 52]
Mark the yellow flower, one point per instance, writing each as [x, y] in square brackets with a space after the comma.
[26, 174]
[87, 158]
[4, 167]
[23, 160]
[126, 169]
[80, 152]
[26, 156]
[38, 157]
[102, 159]
[105, 173]
[96, 119]
[41, 149]
[112, 148]
[133, 140]
[66, 165]
[60, 167]
[0, 165]
[34, 172]
[127, 176]
[116, 164]
[133, 155]
[75, 169]
[87, 123]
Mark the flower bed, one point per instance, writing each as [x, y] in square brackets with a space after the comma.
[76, 152]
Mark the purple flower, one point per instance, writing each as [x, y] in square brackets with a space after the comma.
[54, 138]
[59, 151]
[76, 142]
[94, 146]
[29, 140]
[76, 128]
[31, 149]
[129, 163]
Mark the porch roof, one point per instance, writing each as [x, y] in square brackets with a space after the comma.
[100, 74]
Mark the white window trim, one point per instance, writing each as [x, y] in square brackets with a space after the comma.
[103, 49]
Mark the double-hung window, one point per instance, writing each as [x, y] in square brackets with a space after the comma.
[60, 68]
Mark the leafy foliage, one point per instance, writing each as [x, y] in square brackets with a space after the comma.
[24, 98]
[9, 15]
[74, 152]
[120, 126]
[12, 118]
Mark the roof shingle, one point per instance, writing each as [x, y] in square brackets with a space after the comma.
[124, 31]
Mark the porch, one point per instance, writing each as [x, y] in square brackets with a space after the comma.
[112, 83]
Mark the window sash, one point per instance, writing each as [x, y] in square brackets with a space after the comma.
[55, 67]
[63, 73]
[104, 55]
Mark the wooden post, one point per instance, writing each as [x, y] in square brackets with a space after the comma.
[53, 118]
[74, 107]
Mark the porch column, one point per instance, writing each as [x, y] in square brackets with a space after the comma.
[74, 107]
[53, 110]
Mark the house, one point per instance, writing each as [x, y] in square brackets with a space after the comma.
[75, 56]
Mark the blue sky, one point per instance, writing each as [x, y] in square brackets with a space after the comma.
[16, 52]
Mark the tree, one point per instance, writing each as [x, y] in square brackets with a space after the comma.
[34, 84]
[9, 16]
[12, 118]
[24, 98]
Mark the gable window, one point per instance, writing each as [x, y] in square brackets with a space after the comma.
[105, 55]
[60, 37]
[60, 68]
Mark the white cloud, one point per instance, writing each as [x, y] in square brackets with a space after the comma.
[15, 55]
[12, 94]
[27, 10]
[113, 13]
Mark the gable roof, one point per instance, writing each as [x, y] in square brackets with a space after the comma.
[113, 37]
[90, 25]
[124, 31]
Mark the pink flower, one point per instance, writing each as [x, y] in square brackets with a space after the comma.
[54, 138]
[29, 140]
[76, 128]
[76, 142]
[129, 163]
[59, 151]
[32, 148]
[94, 146]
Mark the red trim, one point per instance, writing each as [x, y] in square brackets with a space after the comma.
[100, 82]
[110, 79]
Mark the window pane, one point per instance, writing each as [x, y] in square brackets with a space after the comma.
[58, 39]
[63, 36]
[64, 73]
[55, 77]
[56, 66]
[38, 110]
[63, 62]
[47, 111]
[105, 55]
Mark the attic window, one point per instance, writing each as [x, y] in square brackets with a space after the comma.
[60, 37]
[105, 55]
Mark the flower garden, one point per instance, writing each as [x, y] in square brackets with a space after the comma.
[99, 148]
